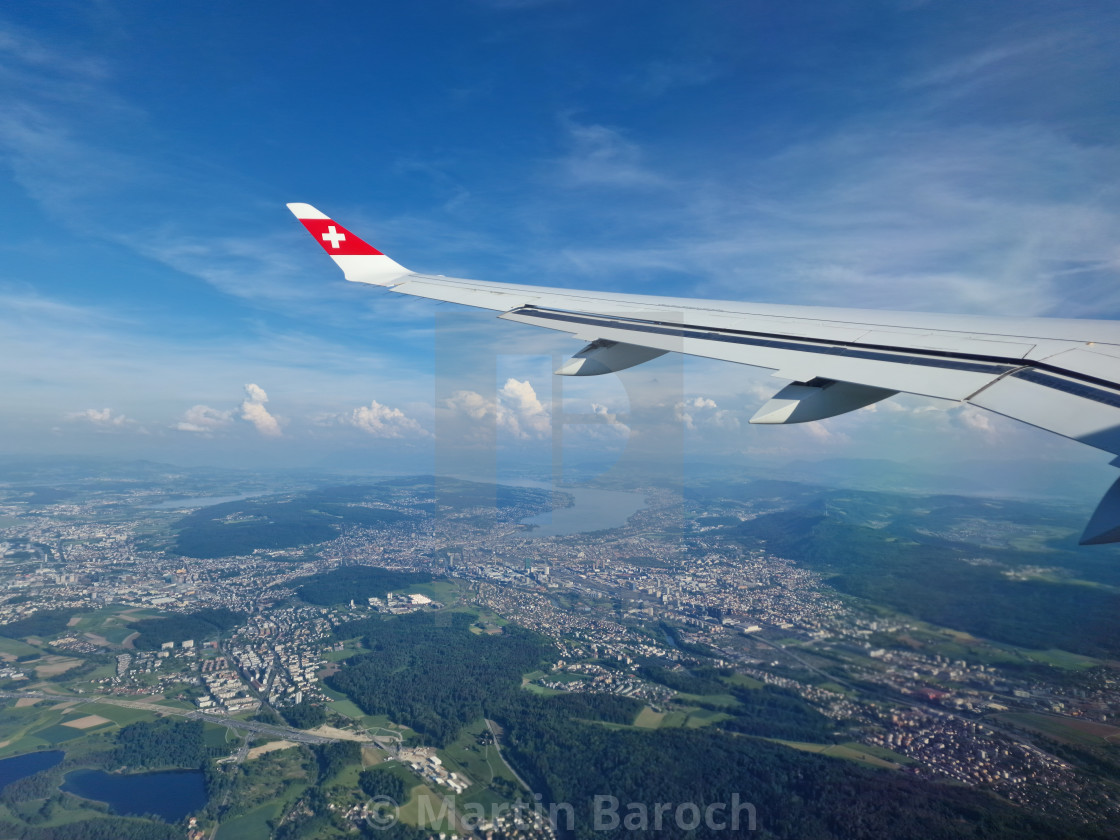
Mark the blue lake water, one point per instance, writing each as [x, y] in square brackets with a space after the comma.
[594, 510]
[20, 766]
[170, 795]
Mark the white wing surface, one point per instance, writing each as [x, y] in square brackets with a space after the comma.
[1060, 375]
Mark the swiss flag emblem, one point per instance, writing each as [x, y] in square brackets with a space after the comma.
[337, 240]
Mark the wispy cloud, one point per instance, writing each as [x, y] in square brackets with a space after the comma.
[970, 220]
[600, 156]
[663, 75]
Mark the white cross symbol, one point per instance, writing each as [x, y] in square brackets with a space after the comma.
[333, 236]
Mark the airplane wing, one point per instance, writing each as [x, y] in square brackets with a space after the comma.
[1062, 375]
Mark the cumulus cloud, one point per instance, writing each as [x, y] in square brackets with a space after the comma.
[384, 422]
[522, 412]
[698, 411]
[975, 419]
[202, 419]
[819, 431]
[517, 412]
[103, 418]
[253, 410]
[595, 421]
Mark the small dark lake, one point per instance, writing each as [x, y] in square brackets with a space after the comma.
[21, 766]
[170, 795]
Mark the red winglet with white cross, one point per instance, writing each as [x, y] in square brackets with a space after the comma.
[359, 261]
[337, 240]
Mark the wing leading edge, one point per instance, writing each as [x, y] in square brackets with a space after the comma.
[1057, 374]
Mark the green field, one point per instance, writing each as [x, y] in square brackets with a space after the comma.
[250, 826]
[332, 694]
[480, 763]
[14, 647]
[24, 744]
[542, 690]
[380, 725]
[743, 681]
[1062, 659]
[704, 717]
[347, 708]
[725, 701]
[58, 733]
[220, 736]
[19, 728]
[111, 622]
[122, 715]
[352, 648]
[410, 812]
[859, 753]
[1068, 730]
[446, 592]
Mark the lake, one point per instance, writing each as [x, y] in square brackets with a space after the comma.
[170, 795]
[201, 501]
[594, 510]
[21, 766]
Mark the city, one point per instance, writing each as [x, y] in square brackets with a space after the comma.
[636, 612]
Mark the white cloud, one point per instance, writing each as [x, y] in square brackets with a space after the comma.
[103, 418]
[974, 419]
[202, 419]
[703, 411]
[819, 431]
[384, 422]
[914, 215]
[594, 421]
[516, 412]
[253, 410]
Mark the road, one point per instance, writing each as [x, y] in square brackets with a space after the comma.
[494, 730]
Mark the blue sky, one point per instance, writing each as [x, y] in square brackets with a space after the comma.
[159, 301]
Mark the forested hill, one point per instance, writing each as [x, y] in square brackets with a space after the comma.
[40, 623]
[202, 625]
[354, 582]
[794, 795]
[431, 673]
[240, 527]
[963, 563]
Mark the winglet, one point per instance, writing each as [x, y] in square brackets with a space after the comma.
[359, 261]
